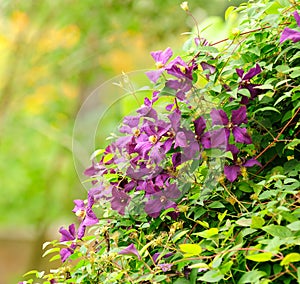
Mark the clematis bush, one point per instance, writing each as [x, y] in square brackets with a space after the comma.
[201, 183]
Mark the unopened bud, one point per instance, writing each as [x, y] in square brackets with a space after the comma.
[184, 6]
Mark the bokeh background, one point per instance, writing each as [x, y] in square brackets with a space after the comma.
[53, 54]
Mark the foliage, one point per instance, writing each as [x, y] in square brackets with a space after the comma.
[201, 185]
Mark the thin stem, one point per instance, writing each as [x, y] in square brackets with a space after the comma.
[279, 134]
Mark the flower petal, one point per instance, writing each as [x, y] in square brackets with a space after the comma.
[251, 163]
[219, 117]
[130, 250]
[239, 116]
[232, 172]
[297, 18]
[252, 72]
[241, 135]
[290, 34]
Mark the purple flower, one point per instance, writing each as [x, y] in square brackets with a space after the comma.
[162, 200]
[245, 83]
[233, 171]
[161, 57]
[239, 116]
[204, 140]
[119, 200]
[181, 87]
[291, 34]
[130, 250]
[67, 235]
[85, 213]
[208, 68]
[165, 266]
[180, 69]
[157, 254]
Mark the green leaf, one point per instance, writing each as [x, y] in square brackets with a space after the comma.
[108, 157]
[190, 249]
[199, 265]
[50, 251]
[212, 276]
[216, 204]
[260, 257]
[291, 257]
[207, 233]
[267, 109]
[257, 222]
[179, 235]
[244, 92]
[182, 281]
[252, 276]
[277, 231]
[295, 226]
[229, 11]
[244, 222]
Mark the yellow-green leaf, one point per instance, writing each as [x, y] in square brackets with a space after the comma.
[291, 257]
[208, 233]
[190, 249]
[260, 257]
[108, 157]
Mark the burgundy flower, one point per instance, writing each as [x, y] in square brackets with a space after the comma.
[239, 116]
[130, 250]
[208, 68]
[119, 200]
[233, 171]
[245, 83]
[162, 200]
[291, 34]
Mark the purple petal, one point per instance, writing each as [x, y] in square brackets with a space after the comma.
[162, 56]
[219, 117]
[240, 72]
[180, 140]
[232, 172]
[154, 75]
[251, 163]
[290, 34]
[239, 116]
[153, 207]
[252, 72]
[172, 191]
[68, 235]
[90, 218]
[79, 205]
[65, 253]
[216, 138]
[211, 69]
[200, 125]
[130, 250]
[174, 118]
[165, 266]
[241, 135]
[297, 18]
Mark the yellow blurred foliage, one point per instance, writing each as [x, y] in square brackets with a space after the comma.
[20, 21]
[36, 103]
[65, 37]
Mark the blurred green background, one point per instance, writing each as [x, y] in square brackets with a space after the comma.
[53, 55]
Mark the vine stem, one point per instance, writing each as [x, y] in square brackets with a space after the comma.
[277, 137]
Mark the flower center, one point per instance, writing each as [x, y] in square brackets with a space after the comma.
[230, 125]
[163, 199]
[136, 132]
[152, 139]
[80, 213]
[159, 65]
